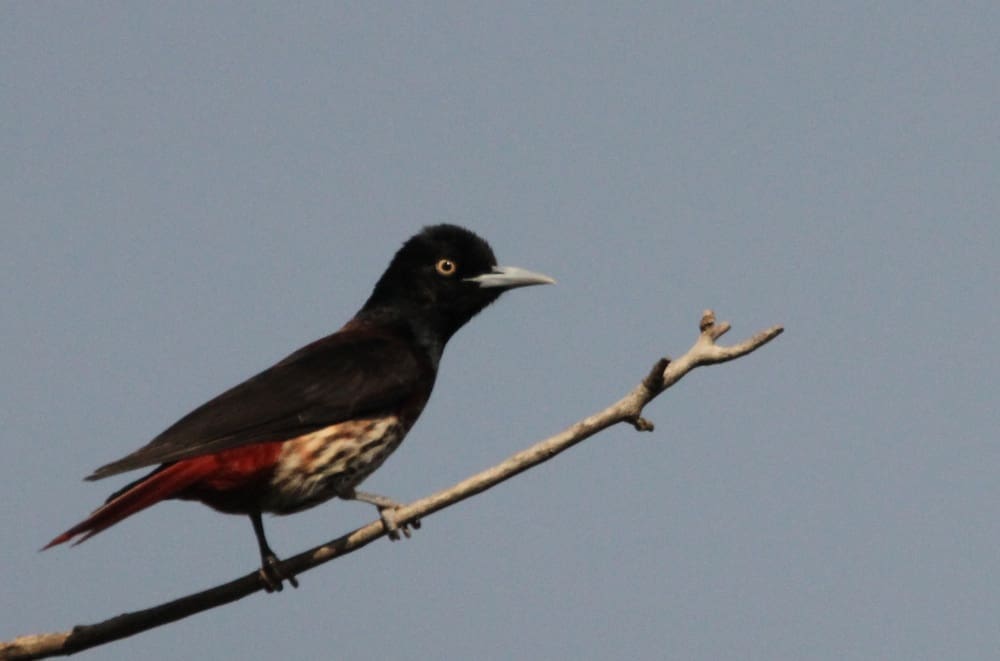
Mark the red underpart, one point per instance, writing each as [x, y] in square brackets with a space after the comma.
[225, 480]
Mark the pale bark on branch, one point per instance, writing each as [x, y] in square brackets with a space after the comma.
[664, 374]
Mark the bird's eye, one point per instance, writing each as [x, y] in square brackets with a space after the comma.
[446, 267]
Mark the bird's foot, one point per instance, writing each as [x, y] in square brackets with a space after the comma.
[392, 529]
[387, 512]
[273, 576]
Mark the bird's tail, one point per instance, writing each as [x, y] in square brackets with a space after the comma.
[165, 482]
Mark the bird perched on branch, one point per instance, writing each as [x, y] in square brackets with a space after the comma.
[317, 423]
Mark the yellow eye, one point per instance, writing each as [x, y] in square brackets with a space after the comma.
[446, 267]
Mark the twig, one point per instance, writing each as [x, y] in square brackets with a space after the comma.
[664, 374]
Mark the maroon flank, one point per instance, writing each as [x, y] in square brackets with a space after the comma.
[315, 425]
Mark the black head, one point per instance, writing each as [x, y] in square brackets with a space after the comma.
[440, 279]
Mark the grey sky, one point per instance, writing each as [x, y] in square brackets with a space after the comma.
[189, 193]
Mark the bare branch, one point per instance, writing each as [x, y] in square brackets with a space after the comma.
[628, 409]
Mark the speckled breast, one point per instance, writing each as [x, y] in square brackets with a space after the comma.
[331, 461]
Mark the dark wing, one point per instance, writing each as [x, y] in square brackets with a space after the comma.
[347, 374]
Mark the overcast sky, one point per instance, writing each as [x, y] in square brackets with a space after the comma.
[191, 192]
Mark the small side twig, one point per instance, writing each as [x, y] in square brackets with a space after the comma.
[663, 375]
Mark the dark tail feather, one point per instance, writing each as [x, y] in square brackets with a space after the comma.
[159, 485]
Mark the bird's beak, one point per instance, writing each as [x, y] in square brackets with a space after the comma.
[508, 277]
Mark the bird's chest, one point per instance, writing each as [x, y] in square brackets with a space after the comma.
[331, 461]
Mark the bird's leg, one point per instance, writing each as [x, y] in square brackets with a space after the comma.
[270, 572]
[385, 507]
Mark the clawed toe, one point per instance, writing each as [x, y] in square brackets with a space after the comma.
[386, 510]
[273, 577]
[392, 528]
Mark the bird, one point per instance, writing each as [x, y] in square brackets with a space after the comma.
[317, 423]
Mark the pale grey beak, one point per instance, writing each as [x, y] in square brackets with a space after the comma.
[508, 277]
